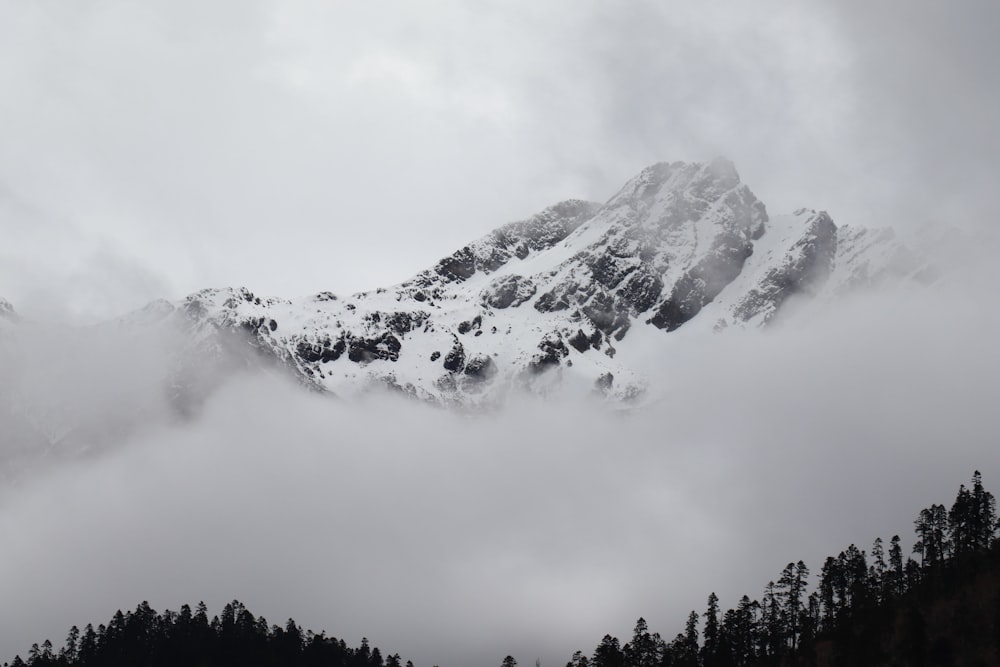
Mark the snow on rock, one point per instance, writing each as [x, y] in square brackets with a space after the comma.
[548, 302]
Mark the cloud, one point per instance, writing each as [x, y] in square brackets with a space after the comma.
[534, 530]
[312, 147]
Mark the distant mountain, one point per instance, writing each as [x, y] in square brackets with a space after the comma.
[573, 299]
[554, 300]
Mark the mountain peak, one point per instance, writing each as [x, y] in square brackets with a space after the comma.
[701, 180]
[554, 297]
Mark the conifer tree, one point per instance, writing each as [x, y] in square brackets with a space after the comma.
[608, 653]
[984, 525]
[932, 530]
[645, 649]
[69, 651]
[877, 571]
[896, 567]
[710, 647]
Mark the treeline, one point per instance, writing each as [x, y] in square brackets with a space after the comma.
[865, 607]
[145, 638]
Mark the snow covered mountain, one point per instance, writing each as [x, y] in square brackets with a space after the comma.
[554, 300]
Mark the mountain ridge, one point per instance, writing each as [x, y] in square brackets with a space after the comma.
[548, 301]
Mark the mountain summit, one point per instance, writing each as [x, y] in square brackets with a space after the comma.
[554, 300]
[555, 297]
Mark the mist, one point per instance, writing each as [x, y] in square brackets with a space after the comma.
[533, 530]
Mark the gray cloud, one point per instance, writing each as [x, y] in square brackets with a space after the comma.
[534, 530]
[311, 147]
[926, 94]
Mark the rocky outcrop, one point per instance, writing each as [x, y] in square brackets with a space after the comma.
[804, 269]
[509, 291]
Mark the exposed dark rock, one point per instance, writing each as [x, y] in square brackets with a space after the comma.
[609, 270]
[806, 267]
[320, 351]
[509, 291]
[621, 330]
[454, 361]
[553, 350]
[580, 341]
[365, 350]
[544, 230]
[399, 322]
[481, 367]
[604, 382]
[467, 326]
[459, 267]
[517, 239]
[558, 298]
[703, 282]
[608, 313]
[435, 355]
[642, 289]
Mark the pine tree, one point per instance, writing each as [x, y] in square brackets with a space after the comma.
[791, 591]
[710, 649]
[645, 649]
[829, 584]
[69, 651]
[608, 653]
[896, 567]
[509, 661]
[984, 525]
[932, 531]
[877, 571]
[960, 522]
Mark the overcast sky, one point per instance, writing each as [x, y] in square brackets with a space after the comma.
[149, 150]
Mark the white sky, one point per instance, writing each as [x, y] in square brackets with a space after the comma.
[149, 150]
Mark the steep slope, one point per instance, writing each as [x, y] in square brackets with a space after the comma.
[548, 301]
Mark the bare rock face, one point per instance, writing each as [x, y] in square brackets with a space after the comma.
[508, 291]
[804, 269]
[700, 284]
[516, 240]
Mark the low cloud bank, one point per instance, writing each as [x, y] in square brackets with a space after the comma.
[458, 539]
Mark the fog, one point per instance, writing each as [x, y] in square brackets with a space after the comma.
[532, 530]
